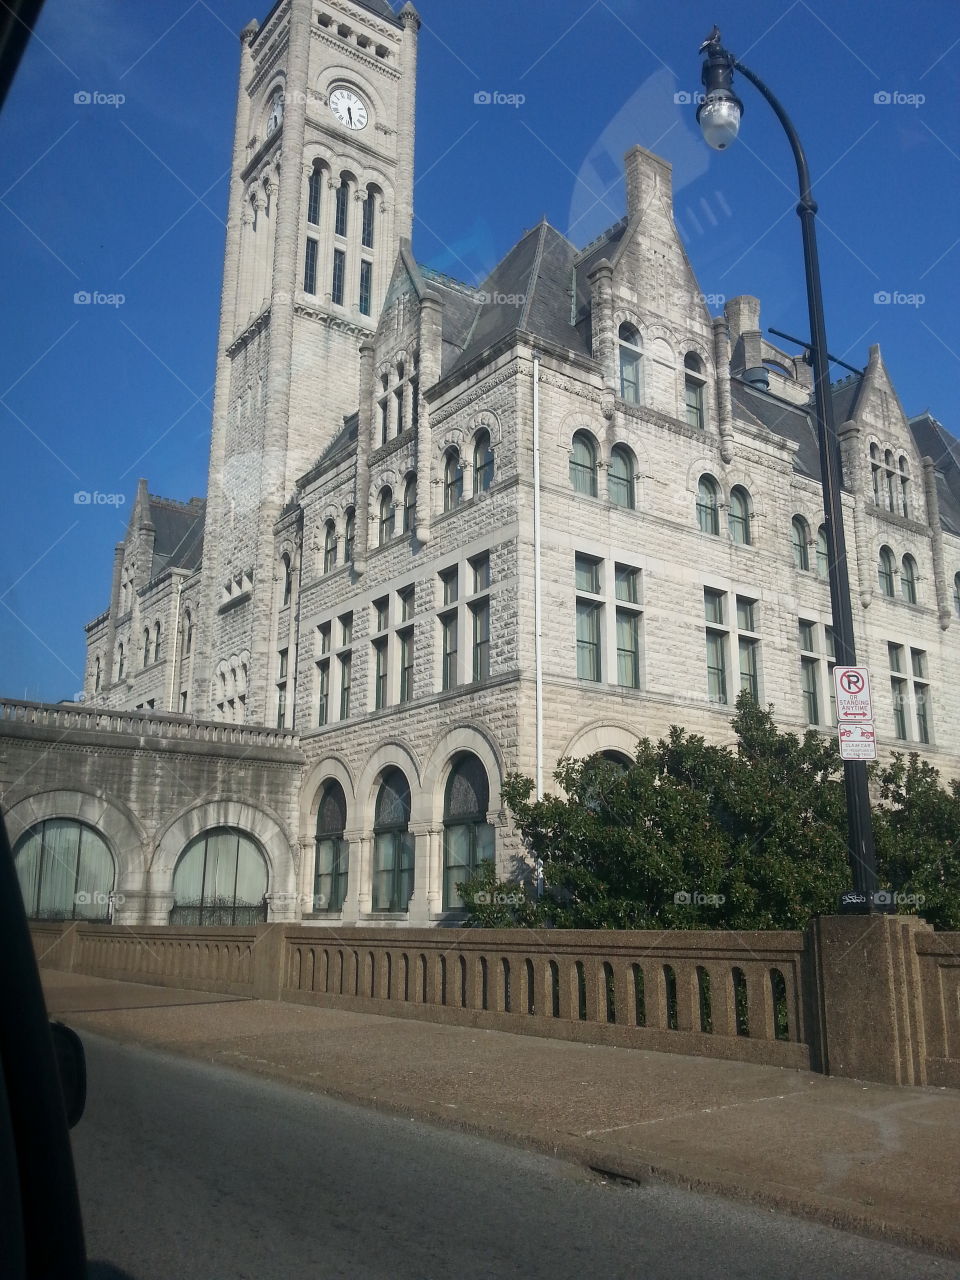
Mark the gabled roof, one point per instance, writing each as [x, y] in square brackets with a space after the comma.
[935, 442]
[178, 533]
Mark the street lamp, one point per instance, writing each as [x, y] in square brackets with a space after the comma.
[719, 116]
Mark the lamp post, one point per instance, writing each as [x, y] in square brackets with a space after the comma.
[719, 117]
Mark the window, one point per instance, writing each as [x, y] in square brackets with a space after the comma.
[120, 662]
[627, 583]
[65, 870]
[908, 579]
[587, 574]
[366, 287]
[310, 266]
[414, 398]
[184, 698]
[693, 383]
[146, 647]
[889, 475]
[398, 397]
[749, 647]
[369, 214]
[628, 648]
[620, 477]
[452, 480]
[956, 594]
[904, 477]
[410, 504]
[407, 604]
[393, 845]
[346, 628]
[823, 553]
[406, 663]
[380, 673]
[386, 516]
[739, 516]
[449, 579]
[480, 566]
[716, 666]
[384, 403]
[583, 464]
[156, 642]
[329, 547]
[630, 358]
[480, 610]
[343, 207]
[323, 691]
[482, 463]
[809, 682]
[345, 661]
[314, 189]
[708, 505]
[381, 614]
[187, 635]
[349, 533]
[468, 839]
[800, 541]
[287, 573]
[719, 634]
[815, 662]
[885, 572]
[332, 861]
[448, 633]
[282, 689]
[918, 664]
[339, 272]
[589, 617]
[875, 475]
[221, 879]
[97, 675]
[898, 691]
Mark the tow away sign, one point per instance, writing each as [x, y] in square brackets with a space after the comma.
[857, 741]
[853, 694]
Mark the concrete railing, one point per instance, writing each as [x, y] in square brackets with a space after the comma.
[140, 724]
[876, 998]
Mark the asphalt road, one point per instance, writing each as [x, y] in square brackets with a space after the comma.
[196, 1172]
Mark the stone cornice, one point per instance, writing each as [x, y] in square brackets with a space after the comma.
[388, 30]
[470, 397]
[358, 55]
[257, 325]
[332, 321]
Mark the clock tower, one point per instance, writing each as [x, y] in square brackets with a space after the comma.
[321, 195]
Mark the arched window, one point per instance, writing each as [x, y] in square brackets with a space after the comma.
[468, 839]
[387, 520]
[330, 879]
[885, 571]
[369, 218]
[146, 647]
[410, 503]
[120, 661]
[800, 541]
[97, 675]
[482, 462]
[583, 464]
[393, 845]
[452, 480]
[220, 879]
[343, 205]
[186, 643]
[349, 535]
[620, 476]
[65, 870]
[156, 642]
[875, 478]
[631, 355]
[908, 579]
[693, 384]
[329, 547]
[708, 505]
[956, 594]
[287, 579]
[823, 554]
[739, 515]
[904, 470]
[889, 468]
[314, 189]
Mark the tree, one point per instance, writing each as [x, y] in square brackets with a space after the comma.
[693, 835]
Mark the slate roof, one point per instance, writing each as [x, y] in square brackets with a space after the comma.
[935, 442]
[178, 537]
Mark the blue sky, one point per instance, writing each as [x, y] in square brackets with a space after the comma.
[128, 198]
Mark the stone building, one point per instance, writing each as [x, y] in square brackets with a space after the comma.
[454, 531]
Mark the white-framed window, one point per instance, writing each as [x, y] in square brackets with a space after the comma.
[631, 359]
[694, 380]
[908, 579]
[482, 462]
[886, 572]
[738, 516]
[817, 660]
[732, 633]
[910, 693]
[452, 480]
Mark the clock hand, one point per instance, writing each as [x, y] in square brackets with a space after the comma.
[349, 115]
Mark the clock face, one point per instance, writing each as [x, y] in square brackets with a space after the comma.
[349, 109]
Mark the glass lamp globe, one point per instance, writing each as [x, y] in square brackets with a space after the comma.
[719, 118]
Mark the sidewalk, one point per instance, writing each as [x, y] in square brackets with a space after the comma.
[866, 1157]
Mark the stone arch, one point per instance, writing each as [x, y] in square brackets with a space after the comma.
[627, 315]
[312, 789]
[487, 420]
[392, 753]
[267, 828]
[428, 806]
[581, 419]
[602, 735]
[453, 438]
[120, 828]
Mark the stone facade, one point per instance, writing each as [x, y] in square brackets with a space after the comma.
[405, 477]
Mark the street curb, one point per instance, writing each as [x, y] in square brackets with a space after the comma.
[820, 1209]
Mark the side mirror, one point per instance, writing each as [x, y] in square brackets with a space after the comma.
[72, 1066]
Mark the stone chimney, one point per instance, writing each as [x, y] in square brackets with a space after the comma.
[743, 317]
